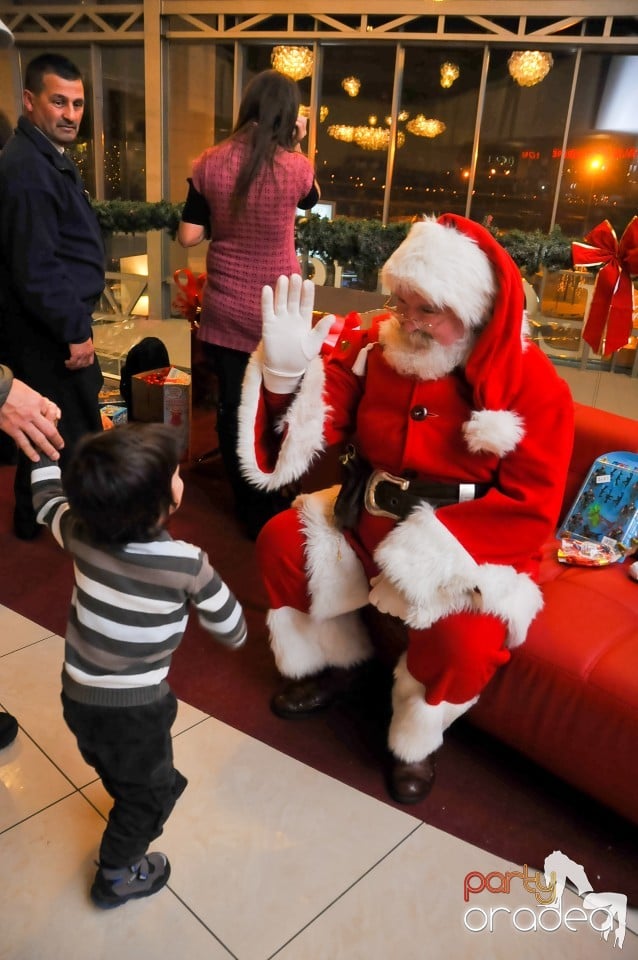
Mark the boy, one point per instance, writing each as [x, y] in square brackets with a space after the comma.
[129, 609]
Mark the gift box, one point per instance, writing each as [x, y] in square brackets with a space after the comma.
[115, 413]
[164, 396]
[606, 508]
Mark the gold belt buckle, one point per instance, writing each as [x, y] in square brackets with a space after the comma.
[377, 477]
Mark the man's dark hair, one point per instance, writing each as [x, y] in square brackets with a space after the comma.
[49, 63]
[118, 482]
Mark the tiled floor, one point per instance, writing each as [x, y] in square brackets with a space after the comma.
[270, 858]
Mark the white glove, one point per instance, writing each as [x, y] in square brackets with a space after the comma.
[387, 598]
[289, 339]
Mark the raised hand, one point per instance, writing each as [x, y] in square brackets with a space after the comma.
[289, 339]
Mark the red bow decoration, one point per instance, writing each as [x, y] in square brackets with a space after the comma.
[188, 301]
[338, 333]
[610, 314]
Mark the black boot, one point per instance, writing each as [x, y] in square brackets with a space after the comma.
[411, 782]
[310, 694]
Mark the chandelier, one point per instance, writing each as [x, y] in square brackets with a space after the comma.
[351, 85]
[366, 137]
[305, 112]
[341, 131]
[422, 126]
[529, 67]
[402, 117]
[293, 62]
[449, 73]
[375, 138]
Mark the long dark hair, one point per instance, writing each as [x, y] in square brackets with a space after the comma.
[266, 120]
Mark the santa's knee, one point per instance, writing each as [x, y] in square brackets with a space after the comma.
[281, 562]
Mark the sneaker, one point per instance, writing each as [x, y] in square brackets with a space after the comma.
[114, 886]
[8, 729]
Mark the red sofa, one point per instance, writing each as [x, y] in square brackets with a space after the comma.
[568, 699]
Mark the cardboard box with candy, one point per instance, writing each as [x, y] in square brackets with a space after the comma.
[164, 396]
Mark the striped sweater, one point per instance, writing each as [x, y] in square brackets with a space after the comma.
[130, 604]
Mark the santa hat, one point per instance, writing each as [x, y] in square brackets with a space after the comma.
[445, 267]
[454, 262]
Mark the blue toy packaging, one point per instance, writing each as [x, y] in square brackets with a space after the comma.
[606, 508]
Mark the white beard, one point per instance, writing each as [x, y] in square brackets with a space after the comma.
[418, 355]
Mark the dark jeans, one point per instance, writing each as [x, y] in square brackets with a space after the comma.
[132, 752]
[254, 507]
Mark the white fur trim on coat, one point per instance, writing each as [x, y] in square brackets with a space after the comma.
[417, 727]
[336, 580]
[439, 577]
[494, 431]
[303, 645]
[304, 418]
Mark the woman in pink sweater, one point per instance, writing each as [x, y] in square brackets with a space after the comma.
[243, 196]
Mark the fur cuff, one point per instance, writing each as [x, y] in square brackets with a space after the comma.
[431, 568]
[302, 426]
[493, 431]
[511, 596]
[336, 580]
[439, 578]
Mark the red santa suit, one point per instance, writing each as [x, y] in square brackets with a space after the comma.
[466, 570]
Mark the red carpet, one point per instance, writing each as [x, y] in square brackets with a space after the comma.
[484, 794]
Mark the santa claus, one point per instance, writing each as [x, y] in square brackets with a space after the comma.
[463, 433]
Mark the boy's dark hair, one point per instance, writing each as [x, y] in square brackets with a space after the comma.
[49, 63]
[118, 482]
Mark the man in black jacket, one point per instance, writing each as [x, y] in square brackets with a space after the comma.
[51, 262]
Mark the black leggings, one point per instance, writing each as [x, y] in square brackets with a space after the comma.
[254, 506]
[132, 752]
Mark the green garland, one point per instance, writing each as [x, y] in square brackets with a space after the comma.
[137, 216]
[363, 245]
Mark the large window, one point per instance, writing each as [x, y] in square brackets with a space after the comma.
[600, 163]
[437, 118]
[353, 137]
[124, 123]
[520, 136]
[200, 106]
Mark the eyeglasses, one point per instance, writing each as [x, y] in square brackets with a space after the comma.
[423, 313]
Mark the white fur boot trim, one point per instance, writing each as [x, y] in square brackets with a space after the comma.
[303, 645]
[336, 581]
[344, 640]
[416, 729]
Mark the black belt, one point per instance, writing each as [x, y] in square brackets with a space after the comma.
[394, 497]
